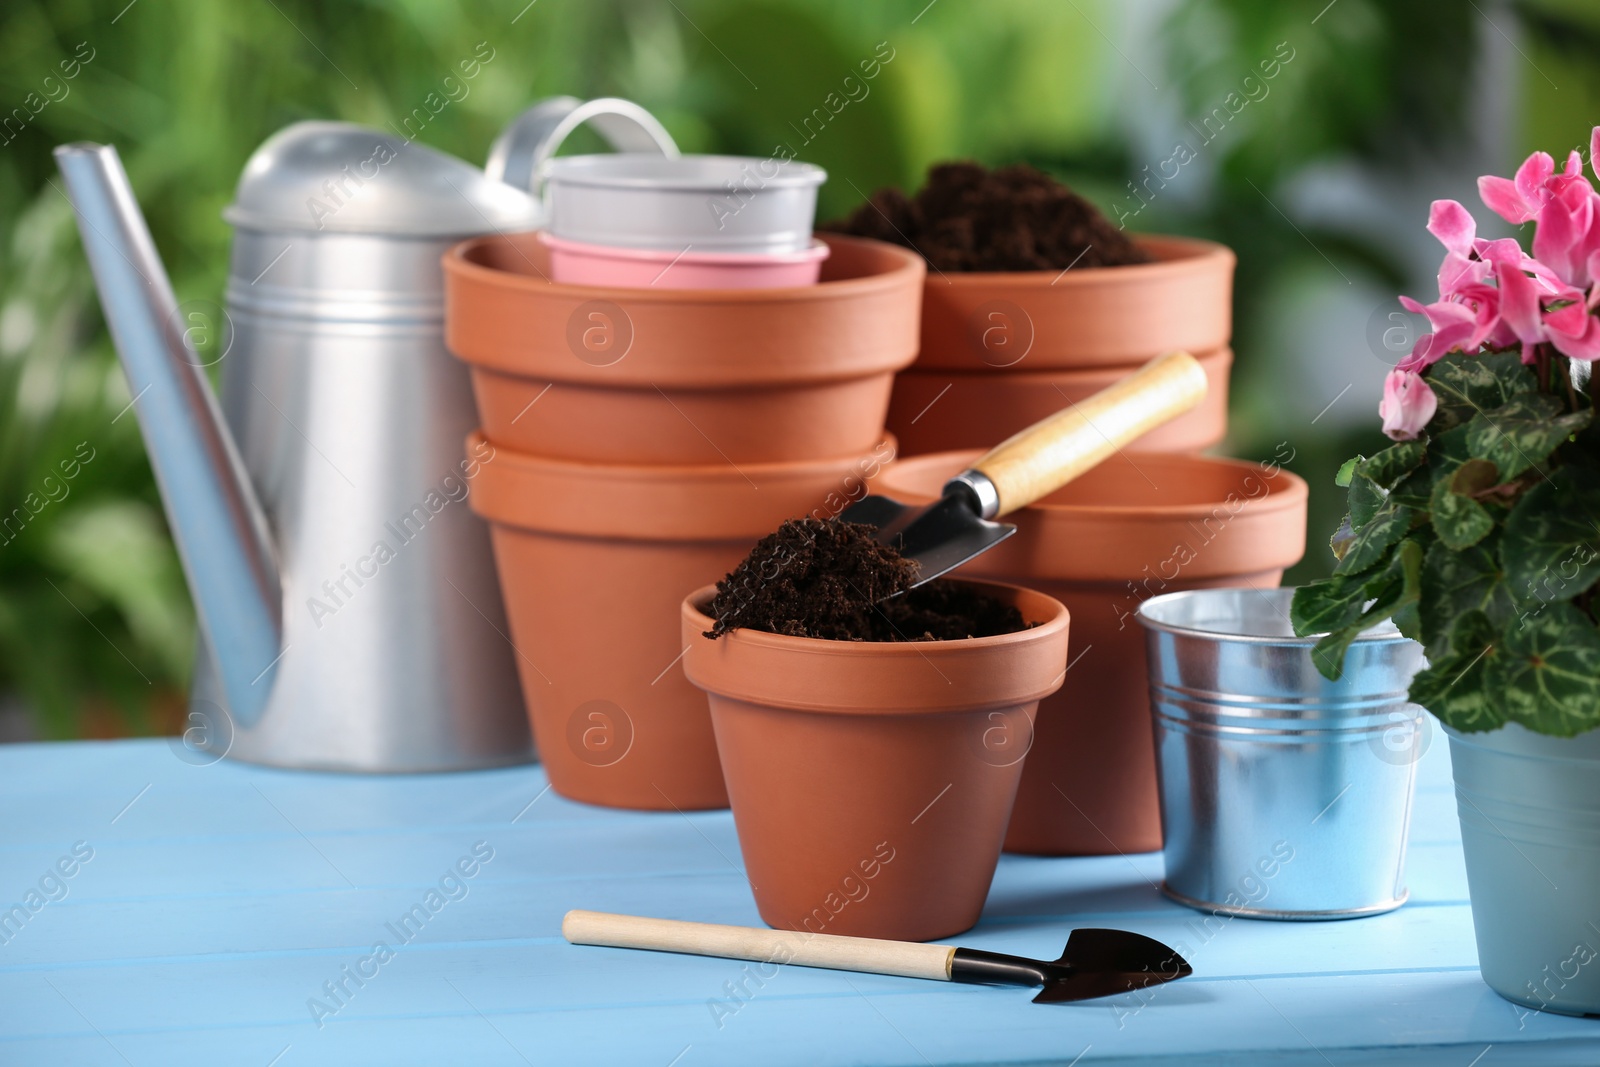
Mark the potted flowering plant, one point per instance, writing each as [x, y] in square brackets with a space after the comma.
[1478, 534]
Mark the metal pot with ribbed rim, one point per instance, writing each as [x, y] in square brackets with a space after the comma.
[1282, 796]
[349, 612]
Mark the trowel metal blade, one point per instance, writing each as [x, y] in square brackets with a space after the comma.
[940, 536]
[1090, 984]
[1108, 962]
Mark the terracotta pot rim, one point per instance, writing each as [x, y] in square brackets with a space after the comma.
[1110, 371]
[455, 262]
[1188, 253]
[1293, 493]
[638, 502]
[651, 473]
[1006, 689]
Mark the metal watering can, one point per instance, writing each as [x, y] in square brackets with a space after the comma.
[349, 613]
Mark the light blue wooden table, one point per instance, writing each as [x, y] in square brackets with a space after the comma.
[222, 903]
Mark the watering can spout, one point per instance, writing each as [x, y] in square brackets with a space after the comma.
[216, 518]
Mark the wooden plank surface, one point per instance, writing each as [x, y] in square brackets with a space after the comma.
[221, 900]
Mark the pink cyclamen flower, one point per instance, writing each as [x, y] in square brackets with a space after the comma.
[1408, 404]
[1452, 323]
[1518, 200]
[1573, 331]
[1565, 205]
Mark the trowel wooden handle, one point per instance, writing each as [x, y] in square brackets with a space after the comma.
[904, 958]
[1047, 455]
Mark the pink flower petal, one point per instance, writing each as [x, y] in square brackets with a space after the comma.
[1557, 236]
[1583, 345]
[1594, 151]
[1501, 196]
[1504, 250]
[1453, 225]
[1519, 304]
[1532, 175]
[1408, 405]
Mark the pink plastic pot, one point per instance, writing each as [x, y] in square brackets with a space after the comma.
[578, 263]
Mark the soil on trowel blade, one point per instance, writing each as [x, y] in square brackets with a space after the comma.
[970, 218]
[834, 581]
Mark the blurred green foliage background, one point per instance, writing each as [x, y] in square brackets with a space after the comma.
[96, 630]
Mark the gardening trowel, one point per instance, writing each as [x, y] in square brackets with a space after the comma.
[1095, 963]
[1031, 465]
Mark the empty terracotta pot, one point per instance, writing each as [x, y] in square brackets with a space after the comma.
[593, 563]
[940, 411]
[1132, 528]
[1064, 320]
[871, 781]
[676, 377]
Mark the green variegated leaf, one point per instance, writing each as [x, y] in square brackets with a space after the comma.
[1466, 385]
[1414, 490]
[1365, 500]
[1371, 541]
[1391, 590]
[1447, 452]
[1456, 583]
[1393, 463]
[1346, 469]
[1329, 604]
[1551, 545]
[1456, 685]
[1549, 671]
[1522, 433]
[1408, 620]
[1460, 521]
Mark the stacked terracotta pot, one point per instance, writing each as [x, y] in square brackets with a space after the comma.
[635, 442]
[1001, 351]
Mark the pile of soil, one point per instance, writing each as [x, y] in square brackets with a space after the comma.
[832, 579]
[970, 218]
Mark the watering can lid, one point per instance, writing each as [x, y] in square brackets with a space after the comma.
[343, 178]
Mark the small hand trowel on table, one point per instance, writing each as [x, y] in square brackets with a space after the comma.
[1095, 963]
[1031, 465]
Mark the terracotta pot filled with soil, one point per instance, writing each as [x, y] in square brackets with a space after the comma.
[677, 377]
[872, 770]
[938, 410]
[593, 563]
[1028, 281]
[1132, 528]
[1182, 298]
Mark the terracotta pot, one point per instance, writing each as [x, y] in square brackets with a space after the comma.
[1064, 320]
[593, 563]
[871, 781]
[1132, 528]
[578, 263]
[940, 411]
[613, 375]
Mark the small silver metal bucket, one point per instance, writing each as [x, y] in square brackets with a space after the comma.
[1283, 795]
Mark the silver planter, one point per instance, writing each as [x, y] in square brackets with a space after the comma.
[1530, 828]
[1283, 795]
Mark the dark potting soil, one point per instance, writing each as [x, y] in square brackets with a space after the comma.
[970, 218]
[831, 579]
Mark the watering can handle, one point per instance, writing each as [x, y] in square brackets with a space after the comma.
[519, 154]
